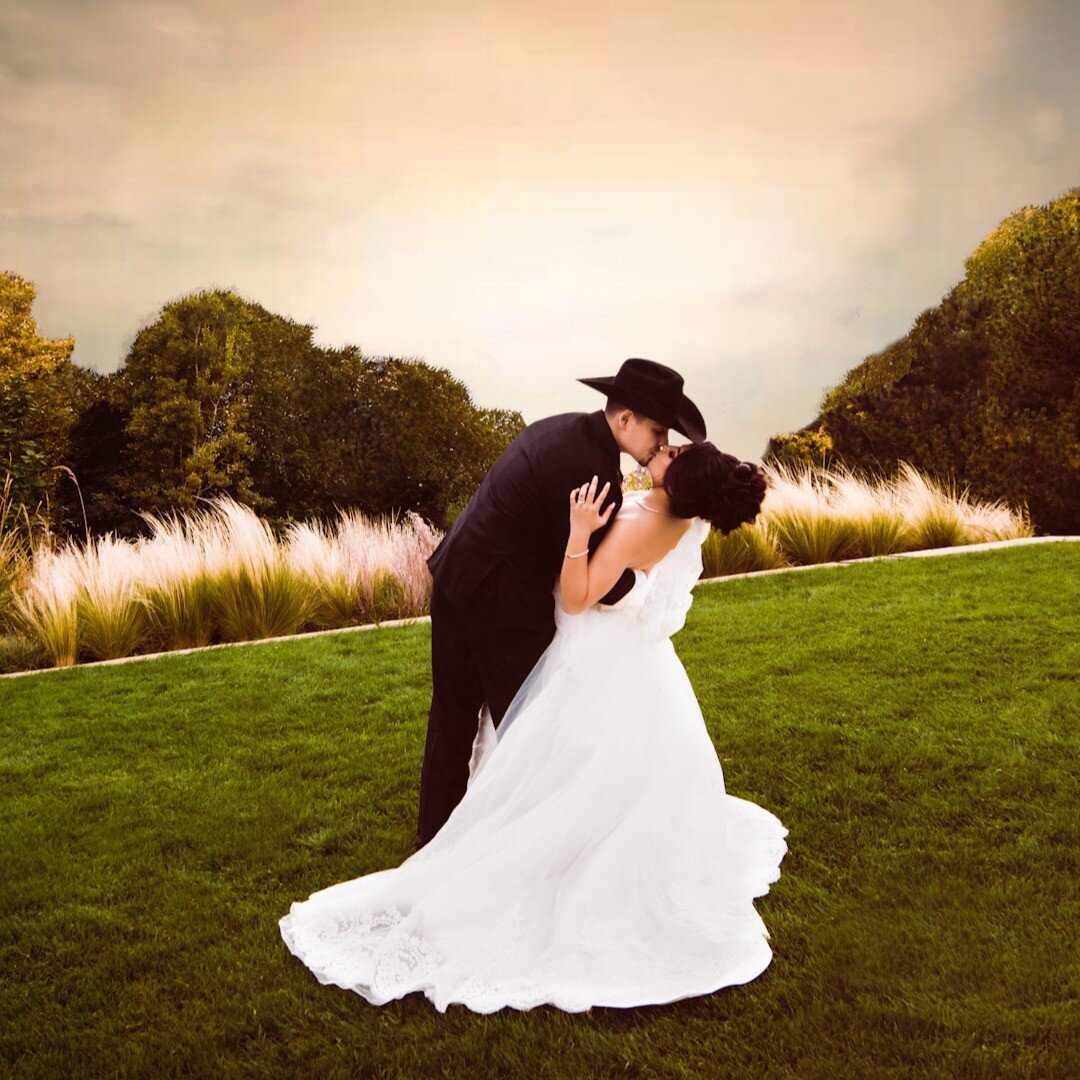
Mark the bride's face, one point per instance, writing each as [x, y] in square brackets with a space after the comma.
[659, 463]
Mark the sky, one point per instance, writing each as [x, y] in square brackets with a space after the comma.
[758, 195]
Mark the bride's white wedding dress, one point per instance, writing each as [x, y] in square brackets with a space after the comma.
[595, 858]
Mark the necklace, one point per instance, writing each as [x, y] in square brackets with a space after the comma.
[649, 508]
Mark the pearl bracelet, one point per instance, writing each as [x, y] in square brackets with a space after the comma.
[567, 555]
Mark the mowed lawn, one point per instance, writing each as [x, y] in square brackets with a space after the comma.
[912, 722]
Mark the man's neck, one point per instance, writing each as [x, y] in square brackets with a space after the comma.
[605, 436]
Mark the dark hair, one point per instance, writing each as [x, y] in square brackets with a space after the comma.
[704, 482]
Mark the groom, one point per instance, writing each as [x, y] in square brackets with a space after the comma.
[494, 572]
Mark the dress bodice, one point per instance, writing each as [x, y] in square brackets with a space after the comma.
[661, 597]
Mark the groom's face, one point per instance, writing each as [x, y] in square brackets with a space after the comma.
[640, 436]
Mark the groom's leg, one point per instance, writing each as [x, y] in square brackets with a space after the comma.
[503, 653]
[505, 658]
[504, 645]
[456, 699]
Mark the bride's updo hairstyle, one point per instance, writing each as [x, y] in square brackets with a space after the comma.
[704, 482]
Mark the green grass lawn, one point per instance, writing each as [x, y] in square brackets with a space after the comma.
[912, 722]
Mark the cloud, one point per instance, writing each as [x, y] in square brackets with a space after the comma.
[1008, 140]
[529, 192]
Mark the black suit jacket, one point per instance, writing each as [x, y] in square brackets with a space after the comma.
[518, 521]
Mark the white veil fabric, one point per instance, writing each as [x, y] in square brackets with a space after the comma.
[595, 859]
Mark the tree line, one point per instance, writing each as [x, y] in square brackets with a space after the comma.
[985, 387]
[220, 396]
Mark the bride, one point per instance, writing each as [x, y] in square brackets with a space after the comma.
[595, 858]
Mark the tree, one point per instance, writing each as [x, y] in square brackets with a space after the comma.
[430, 446]
[99, 457]
[985, 387]
[184, 387]
[1028, 271]
[221, 395]
[36, 411]
[811, 446]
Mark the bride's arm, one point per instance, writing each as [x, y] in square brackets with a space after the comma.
[584, 580]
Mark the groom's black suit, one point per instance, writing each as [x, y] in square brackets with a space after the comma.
[492, 603]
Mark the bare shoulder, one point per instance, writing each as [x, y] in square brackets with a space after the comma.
[644, 538]
[629, 529]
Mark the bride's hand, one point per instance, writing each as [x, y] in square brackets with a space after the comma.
[585, 514]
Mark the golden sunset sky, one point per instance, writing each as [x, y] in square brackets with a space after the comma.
[758, 194]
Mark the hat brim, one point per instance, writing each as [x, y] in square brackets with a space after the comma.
[687, 421]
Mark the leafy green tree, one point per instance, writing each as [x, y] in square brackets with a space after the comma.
[985, 388]
[184, 387]
[811, 446]
[429, 445]
[36, 410]
[99, 458]
[298, 395]
[1028, 270]
[221, 395]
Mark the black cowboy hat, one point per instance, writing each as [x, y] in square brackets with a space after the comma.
[655, 390]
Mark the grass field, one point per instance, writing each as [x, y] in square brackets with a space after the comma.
[912, 722]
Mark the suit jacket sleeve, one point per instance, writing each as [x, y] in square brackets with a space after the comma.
[621, 587]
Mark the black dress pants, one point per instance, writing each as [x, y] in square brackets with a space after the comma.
[473, 660]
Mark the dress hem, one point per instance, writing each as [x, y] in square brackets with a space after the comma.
[746, 972]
